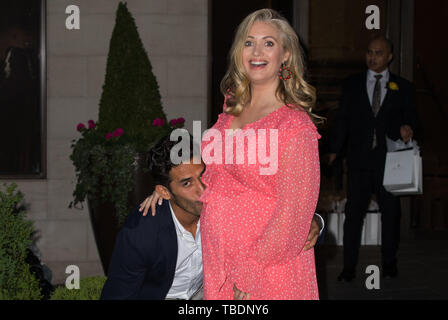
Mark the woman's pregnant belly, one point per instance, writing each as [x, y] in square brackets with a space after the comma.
[237, 220]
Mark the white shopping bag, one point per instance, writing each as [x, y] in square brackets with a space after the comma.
[403, 172]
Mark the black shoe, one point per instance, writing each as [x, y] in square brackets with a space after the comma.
[390, 271]
[346, 275]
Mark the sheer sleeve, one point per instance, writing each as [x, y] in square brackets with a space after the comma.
[297, 183]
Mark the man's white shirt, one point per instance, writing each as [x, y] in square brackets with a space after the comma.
[371, 80]
[188, 274]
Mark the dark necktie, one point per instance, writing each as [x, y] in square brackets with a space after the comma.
[376, 99]
[376, 103]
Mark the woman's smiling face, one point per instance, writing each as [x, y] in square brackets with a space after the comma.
[263, 53]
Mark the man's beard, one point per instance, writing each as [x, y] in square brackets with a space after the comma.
[192, 207]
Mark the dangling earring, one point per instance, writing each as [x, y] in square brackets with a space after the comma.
[284, 73]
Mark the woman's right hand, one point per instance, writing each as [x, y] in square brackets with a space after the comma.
[151, 201]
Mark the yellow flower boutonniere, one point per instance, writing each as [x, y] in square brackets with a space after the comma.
[392, 86]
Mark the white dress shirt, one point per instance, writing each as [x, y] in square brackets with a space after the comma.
[188, 275]
[371, 80]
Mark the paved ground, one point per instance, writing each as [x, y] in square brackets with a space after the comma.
[422, 265]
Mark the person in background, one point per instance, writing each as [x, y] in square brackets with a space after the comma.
[373, 105]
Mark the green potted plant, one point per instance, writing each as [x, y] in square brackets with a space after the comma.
[109, 155]
[89, 289]
[17, 282]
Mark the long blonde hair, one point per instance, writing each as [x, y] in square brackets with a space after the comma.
[236, 84]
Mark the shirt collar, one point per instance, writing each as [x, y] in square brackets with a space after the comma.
[371, 74]
[179, 227]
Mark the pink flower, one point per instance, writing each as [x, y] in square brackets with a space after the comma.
[109, 135]
[174, 122]
[92, 124]
[158, 122]
[118, 132]
[180, 120]
[80, 127]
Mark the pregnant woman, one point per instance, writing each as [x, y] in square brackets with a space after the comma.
[255, 220]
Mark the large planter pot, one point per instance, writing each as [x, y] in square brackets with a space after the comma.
[105, 228]
[104, 218]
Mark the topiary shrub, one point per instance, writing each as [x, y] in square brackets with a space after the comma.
[16, 280]
[130, 119]
[130, 98]
[89, 289]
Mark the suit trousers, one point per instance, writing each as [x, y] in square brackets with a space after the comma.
[360, 186]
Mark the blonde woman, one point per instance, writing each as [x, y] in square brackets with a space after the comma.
[254, 225]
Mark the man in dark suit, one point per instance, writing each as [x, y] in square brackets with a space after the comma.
[373, 105]
[160, 256]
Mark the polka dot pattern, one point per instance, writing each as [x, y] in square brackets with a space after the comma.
[254, 226]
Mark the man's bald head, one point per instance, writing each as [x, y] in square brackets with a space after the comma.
[385, 40]
[379, 54]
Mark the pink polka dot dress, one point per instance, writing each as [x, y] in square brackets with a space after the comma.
[254, 226]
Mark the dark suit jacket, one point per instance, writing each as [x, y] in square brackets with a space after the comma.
[144, 259]
[355, 123]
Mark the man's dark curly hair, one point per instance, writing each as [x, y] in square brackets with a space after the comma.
[159, 162]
